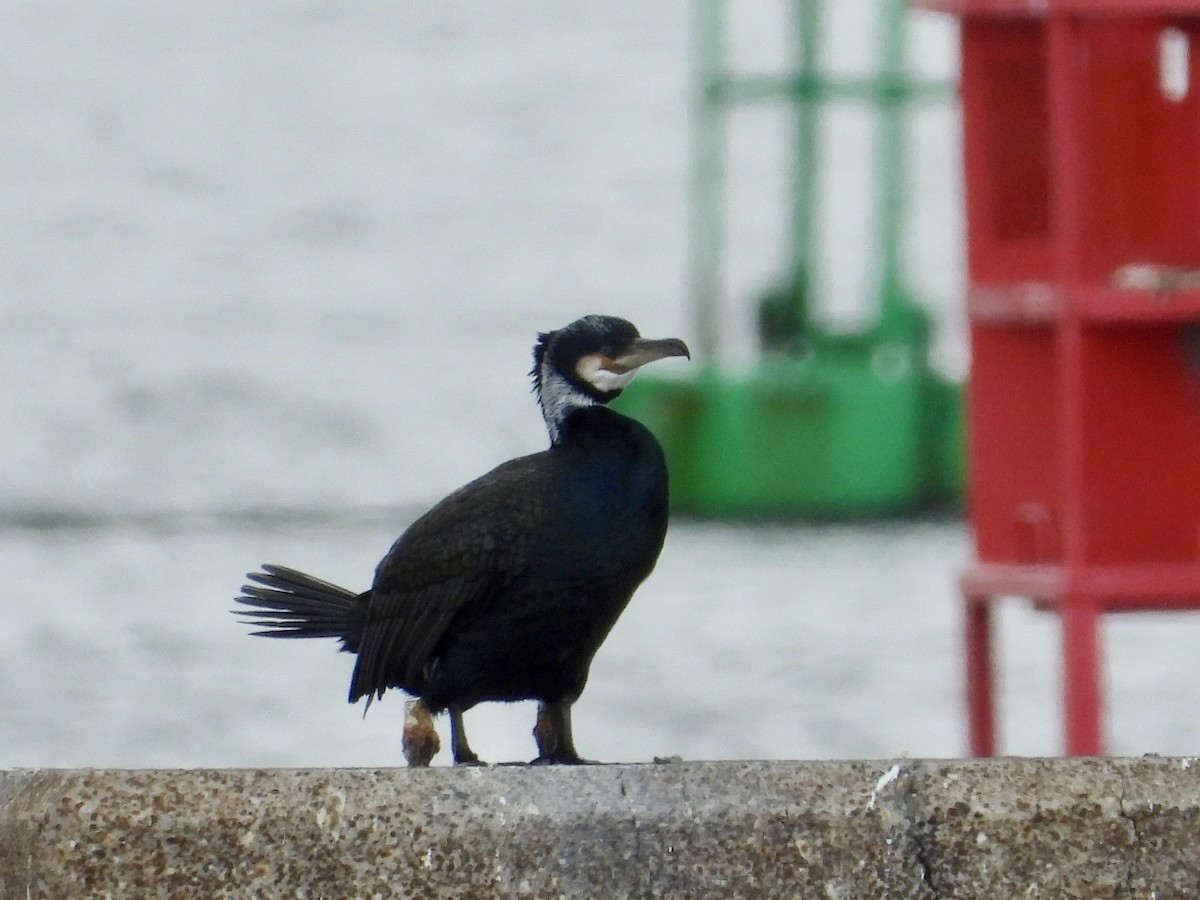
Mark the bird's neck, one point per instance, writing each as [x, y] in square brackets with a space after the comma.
[558, 399]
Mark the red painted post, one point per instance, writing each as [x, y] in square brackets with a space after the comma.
[981, 710]
[1082, 694]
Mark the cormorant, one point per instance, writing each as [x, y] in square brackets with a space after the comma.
[506, 588]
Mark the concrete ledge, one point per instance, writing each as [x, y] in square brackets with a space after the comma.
[894, 828]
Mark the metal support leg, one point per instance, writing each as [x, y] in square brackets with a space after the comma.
[981, 711]
[1082, 696]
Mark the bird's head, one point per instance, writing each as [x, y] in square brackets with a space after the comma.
[589, 362]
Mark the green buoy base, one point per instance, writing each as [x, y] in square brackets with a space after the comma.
[830, 436]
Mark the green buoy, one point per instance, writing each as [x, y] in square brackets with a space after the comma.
[827, 424]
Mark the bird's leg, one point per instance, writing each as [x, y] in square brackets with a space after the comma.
[463, 754]
[544, 732]
[552, 731]
[420, 742]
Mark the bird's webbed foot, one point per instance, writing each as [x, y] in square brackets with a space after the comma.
[562, 759]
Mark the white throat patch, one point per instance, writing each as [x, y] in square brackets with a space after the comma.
[559, 398]
[591, 369]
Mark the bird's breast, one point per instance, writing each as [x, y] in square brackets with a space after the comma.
[612, 514]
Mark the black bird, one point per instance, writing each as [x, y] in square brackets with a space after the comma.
[506, 588]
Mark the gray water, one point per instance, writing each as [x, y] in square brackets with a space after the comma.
[269, 276]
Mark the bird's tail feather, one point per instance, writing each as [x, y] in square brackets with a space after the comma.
[289, 604]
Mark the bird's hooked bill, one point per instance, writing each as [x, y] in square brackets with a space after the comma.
[646, 350]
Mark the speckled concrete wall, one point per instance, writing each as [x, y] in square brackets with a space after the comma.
[896, 828]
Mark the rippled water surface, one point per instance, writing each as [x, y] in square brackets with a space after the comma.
[269, 275]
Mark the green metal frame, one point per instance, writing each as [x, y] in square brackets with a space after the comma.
[808, 88]
[830, 423]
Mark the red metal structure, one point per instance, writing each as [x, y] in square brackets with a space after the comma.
[1081, 130]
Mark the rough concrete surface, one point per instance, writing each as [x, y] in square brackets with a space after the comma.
[1007, 828]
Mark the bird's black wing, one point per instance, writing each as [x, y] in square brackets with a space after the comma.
[445, 569]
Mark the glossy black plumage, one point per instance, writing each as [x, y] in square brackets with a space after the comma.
[506, 589]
